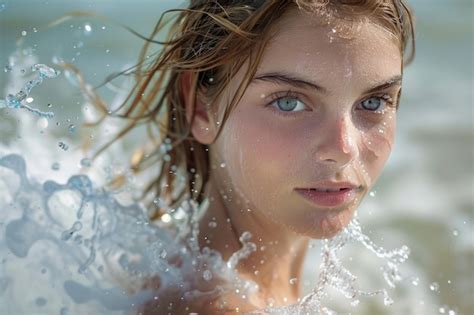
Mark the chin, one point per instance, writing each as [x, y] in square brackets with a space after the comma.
[322, 224]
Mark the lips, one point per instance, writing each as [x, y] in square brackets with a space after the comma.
[330, 194]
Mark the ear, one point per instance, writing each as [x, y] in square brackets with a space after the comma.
[202, 126]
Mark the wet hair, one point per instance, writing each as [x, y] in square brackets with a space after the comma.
[213, 39]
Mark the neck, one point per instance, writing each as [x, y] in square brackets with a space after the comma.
[279, 256]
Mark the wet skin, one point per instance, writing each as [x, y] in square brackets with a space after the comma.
[322, 107]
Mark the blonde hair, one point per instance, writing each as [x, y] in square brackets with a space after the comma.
[213, 39]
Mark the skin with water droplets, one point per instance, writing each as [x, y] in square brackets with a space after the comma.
[267, 155]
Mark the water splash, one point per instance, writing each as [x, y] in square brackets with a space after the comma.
[19, 99]
[89, 254]
[334, 274]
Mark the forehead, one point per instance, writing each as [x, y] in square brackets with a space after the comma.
[303, 44]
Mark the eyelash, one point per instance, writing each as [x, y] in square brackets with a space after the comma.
[293, 95]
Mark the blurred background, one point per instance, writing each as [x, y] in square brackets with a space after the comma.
[424, 198]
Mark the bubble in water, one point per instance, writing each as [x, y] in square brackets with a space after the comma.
[7, 68]
[372, 193]
[23, 33]
[64, 311]
[55, 166]
[212, 224]
[455, 232]
[72, 128]
[415, 281]
[207, 275]
[2, 7]
[29, 100]
[434, 287]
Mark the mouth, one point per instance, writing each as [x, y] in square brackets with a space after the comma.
[330, 194]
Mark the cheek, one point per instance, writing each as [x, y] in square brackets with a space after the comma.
[377, 144]
[259, 155]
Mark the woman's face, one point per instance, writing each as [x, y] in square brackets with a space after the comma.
[320, 113]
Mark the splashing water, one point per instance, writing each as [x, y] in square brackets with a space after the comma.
[88, 254]
[333, 273]
[18, 100]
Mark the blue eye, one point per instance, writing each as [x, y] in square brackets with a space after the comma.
[289, 104]
[376, 103]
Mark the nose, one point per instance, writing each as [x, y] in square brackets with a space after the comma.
[338, 143]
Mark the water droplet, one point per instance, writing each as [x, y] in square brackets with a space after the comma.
[2, 7]
[86, 162]
[87, 28]
[455, 232]
[107, 51]
[64, 311]
[212, 224]
[43, 270]
[63, 146]
[7, 68]
[434, 287]
[55, 166]
[451, 312]
[40, 301]
[372, 193]
[207, 275]
[72, 128]
[222, 165]
[42, 123]
[355, 302]
[293, 281]
[23, 33]
[415, 281]
[166, 218]
[35, 30]
[387, 300]
[29, 100]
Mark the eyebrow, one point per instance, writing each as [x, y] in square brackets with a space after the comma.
[279, 78]
[284, 78]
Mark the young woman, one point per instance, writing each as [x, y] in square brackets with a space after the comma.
[281, 115]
